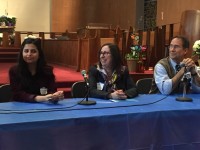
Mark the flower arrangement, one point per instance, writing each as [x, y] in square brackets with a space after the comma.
[196, 48]
[8, 20]
[138, 52]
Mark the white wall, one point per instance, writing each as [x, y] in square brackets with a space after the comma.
[32, 15]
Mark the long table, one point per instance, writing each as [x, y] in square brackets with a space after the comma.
[147, 122]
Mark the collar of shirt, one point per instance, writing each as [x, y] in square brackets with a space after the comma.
[101, 70]
[173, 63]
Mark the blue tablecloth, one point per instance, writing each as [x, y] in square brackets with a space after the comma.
[147, 122]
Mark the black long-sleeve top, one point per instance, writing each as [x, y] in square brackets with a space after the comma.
[123, 82]
[25, 89]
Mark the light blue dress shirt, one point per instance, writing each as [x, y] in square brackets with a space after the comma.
[164, 83]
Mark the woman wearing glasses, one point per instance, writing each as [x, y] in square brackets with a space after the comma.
[109, 79]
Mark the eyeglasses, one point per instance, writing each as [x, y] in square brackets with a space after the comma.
[174, 46]
[104, 53]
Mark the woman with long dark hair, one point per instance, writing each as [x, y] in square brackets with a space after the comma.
[32, 80]
[110, 79]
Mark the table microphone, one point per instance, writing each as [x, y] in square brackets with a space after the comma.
[182, 64]
[185, 80]
[86, 102]
[84, 74]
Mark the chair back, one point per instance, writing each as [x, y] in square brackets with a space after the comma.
[5, 93]
[79, 89]
[144, 85]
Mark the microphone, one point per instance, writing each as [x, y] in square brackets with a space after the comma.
[84, 74]
[186, 76]
[182, 64]
[86, 102]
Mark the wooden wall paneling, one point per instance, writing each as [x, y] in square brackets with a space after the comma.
[69, 14]
[106, 40]
[156, 47]
[5, 39]
[147, 38]
[71, 50]
[124, 40]
[129, 40]
[41, 35]
[190, 27]
[171, 32]
[163, 42]
[118, 37]
[84, 48]
[62, 52]
[50, 49]
[47, 50]
[171, 11]
[167, 34]
[144, 38]
[148, 52]
[93, 49]
[79, 55]
[17, 41]
[168, 12]
[73, 14]
[89, 53]
[152, 47]
[72, 35]
[151, 54]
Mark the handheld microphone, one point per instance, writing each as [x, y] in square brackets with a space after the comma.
[84, 74]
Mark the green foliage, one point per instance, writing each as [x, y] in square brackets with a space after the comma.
[8, 20]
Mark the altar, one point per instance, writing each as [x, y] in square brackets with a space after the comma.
[9, 29]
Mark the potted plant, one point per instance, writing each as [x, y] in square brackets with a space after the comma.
[11, 21]
[3, 20]
[8, 20]
[136, 56]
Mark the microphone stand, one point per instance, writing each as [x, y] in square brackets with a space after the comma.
[183, 98]
[87, 102]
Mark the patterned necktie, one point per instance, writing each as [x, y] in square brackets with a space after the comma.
[178, 68]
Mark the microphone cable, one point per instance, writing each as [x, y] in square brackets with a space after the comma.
[3, 111]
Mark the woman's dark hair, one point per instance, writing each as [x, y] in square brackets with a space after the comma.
[42, 69]
[184, 40]
[41, 61]
[115, 53]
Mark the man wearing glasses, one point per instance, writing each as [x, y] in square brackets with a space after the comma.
[171, 72]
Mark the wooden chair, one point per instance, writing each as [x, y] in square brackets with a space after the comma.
[79, 89]
[144, 85]
[5, 93]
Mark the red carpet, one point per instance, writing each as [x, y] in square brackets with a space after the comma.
[65, 77]
[62, 74]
